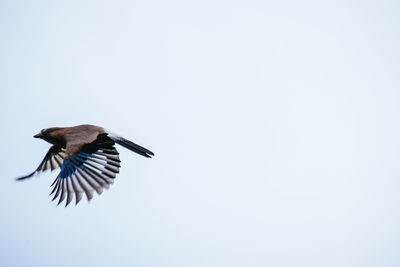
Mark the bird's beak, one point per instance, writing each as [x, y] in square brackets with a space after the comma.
[37, 135]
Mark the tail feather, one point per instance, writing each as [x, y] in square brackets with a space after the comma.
[131, 146]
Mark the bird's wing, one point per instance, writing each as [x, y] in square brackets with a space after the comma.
[53, 160]
[93, 167]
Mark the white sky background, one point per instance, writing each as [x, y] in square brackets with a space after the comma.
[275, 126]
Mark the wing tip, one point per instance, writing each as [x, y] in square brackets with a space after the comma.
[25, 177]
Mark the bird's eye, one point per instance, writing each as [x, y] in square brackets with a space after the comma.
[46, 132]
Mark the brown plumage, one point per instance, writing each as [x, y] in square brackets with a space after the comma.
[87, 158]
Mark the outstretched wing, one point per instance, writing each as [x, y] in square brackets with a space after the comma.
[53, 160]
[93, 168]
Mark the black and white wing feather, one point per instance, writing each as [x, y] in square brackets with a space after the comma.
[53, 160]
[93, 168]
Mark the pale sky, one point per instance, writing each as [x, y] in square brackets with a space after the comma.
[275, 126]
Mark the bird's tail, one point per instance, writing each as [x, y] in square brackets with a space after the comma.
[130, 145]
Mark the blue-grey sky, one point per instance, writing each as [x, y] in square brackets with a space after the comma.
[275, 126]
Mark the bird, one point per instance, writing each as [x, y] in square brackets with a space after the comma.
[87, 159]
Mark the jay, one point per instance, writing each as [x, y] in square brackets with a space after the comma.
[87, 158]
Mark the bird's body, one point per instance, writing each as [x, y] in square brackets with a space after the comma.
[87, 158]
[71, 138]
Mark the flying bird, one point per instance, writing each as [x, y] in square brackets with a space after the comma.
[87, 158]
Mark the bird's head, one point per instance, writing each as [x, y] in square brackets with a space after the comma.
[46, 134]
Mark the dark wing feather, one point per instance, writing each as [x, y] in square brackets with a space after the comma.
[51, 161]
[93, 168]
